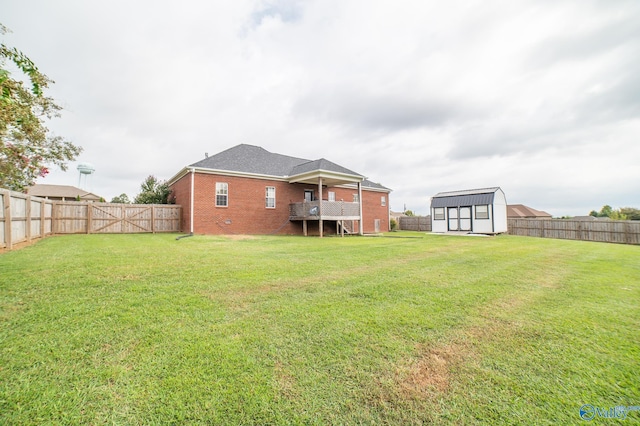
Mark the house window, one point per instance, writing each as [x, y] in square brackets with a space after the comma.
[383, 201]
[482, 212]
[222, 194]
[270, 197]
[331, 196]
[355, 198]
[438, 213]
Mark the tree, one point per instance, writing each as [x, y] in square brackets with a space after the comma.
[122, 199]
[605, 211]
[631, 213]
[26, 148]
[617, 215]
[153, 191]
[409, 213]
[625, 213]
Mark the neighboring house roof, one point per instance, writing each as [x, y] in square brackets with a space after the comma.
[397, 215]
[516, 211]
[588, 218]
[61, 192]
[257, 161]
[467, 197]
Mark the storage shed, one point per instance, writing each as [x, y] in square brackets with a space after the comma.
[475, 211]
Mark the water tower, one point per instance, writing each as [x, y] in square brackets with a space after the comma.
[86, 170]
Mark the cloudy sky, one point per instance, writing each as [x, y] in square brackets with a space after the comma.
[540, 97]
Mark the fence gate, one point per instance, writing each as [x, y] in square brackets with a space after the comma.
[121, 218]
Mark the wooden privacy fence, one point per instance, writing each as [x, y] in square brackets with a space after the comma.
[24, 218]
[415, 223]
[608, 231]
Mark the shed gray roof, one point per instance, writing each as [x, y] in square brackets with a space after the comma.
[467, 197]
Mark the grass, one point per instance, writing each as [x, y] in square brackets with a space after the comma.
[144, 329]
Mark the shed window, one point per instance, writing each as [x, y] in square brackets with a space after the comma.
[222, 194]
[438, 213]
[482, 212]
[270, 197]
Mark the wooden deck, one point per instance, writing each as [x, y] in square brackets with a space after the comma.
[324, 210]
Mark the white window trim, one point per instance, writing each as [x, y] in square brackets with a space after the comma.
[267, 198]
[487, 212]
[219, 189]
[435, 213]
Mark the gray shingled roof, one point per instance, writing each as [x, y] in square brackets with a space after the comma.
[367, 183]
[321, 164]
[253, 159]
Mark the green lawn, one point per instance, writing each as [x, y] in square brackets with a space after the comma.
[409, 328]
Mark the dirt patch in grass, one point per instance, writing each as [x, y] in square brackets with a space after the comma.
[286, 383]
[432, 371]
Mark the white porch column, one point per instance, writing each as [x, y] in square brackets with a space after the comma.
[320, 205]
[361, 227]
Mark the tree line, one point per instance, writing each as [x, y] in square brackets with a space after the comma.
[623, 213]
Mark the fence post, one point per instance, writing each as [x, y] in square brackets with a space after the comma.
[579, 231]
[123, 212]
[54, 221]
[42, 228]
[89, 217]
[7, 219]
[27, 213]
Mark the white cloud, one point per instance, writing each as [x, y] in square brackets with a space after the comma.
[539, 97]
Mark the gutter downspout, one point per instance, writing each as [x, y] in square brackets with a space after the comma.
[193, 174]
[360, 225]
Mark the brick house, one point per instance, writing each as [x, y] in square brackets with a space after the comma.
[249, 190]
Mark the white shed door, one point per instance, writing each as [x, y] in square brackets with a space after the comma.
[465, 218]
[452, 213]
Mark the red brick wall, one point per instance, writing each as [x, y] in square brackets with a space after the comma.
[181, 191]
[371, 206]
[246, 212]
